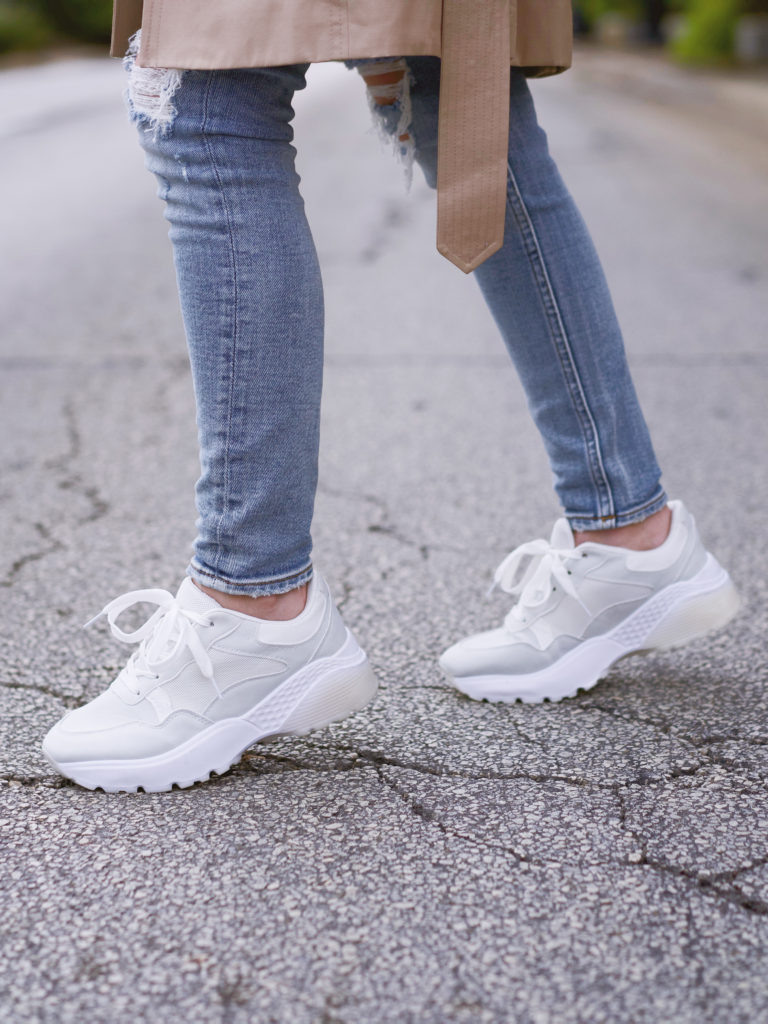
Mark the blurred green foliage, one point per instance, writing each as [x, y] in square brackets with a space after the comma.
[89, 20]
[31, 24]
[592, 10]
[709, 31]
[22, 28]
[704, 31]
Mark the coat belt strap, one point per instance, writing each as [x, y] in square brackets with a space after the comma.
[126, 19]
[473, 130]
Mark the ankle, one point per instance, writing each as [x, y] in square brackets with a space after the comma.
[275, 607]
[643, 536]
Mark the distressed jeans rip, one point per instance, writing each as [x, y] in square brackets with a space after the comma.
[388, 83]
[150, 91]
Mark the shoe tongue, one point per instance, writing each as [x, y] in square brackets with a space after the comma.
[562, 535]
[193, 599]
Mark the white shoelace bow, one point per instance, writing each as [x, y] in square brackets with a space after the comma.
[168, 629]
[533, 583]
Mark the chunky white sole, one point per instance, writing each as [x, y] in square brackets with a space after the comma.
[324, 691]
[679, 613]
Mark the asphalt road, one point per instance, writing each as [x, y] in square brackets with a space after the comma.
[431, 859]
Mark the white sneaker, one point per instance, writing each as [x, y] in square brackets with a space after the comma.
[205, 684]
[582, 608]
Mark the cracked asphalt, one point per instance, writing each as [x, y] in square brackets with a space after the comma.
[431, 859]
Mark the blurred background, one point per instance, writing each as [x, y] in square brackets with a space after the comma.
[36, 24]
[695, 31]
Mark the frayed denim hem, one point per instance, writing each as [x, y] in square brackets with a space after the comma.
[251, 588]
[634, 515]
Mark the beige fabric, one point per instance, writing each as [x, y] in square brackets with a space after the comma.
[468, 34]
[260, 33]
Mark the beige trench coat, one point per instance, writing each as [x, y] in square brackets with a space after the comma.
[477, 40]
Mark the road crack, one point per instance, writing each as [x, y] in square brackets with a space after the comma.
[699, 744]
[49, 546]
[68, 700]
[706, 883]
[10, 781]
[67, 479]
[429, 816]
[360, 756]
[385, 524]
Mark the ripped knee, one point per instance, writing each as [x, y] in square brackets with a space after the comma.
[388, 82]
[150, 91]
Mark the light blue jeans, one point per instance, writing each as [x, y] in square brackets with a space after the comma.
[252, 302]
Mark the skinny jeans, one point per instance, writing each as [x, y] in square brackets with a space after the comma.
[252, 303]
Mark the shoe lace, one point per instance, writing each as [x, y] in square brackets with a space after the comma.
[168, 630]
[531, 572]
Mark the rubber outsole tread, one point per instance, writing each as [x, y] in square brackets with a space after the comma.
[186, 784]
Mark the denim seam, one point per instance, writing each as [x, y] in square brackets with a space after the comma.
[562, 347]
[253, 588]
[233, 358]
[637, 514]
[266, 581]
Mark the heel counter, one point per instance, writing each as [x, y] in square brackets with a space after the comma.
[335, 632]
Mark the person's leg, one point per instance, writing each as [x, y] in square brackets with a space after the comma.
[214, 671]
[252, 302]
[547, 292]
[624, 571]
